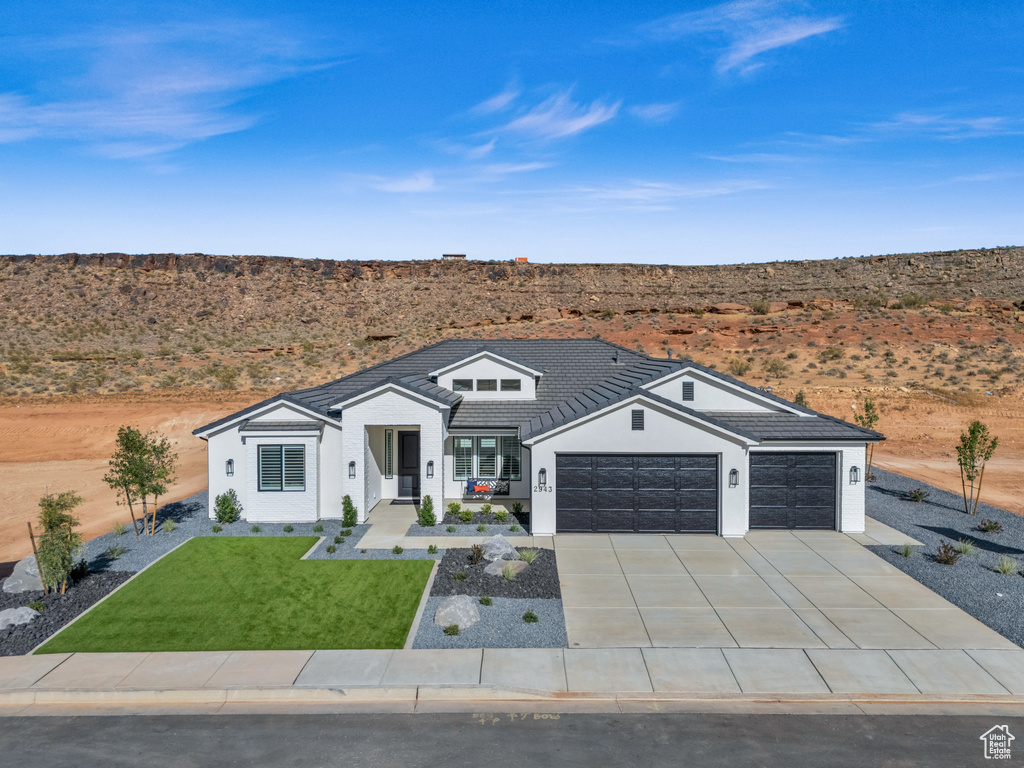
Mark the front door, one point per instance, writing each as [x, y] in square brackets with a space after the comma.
[409, 464]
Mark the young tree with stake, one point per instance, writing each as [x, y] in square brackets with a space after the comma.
[975, 449]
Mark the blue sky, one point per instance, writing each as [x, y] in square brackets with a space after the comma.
[654, 132]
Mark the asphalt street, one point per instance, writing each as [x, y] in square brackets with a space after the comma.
[452, 741]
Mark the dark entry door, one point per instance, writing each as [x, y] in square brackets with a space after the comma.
[793, 490]
[603, 493]
[409, 464]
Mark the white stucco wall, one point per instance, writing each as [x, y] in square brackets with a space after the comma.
[332, 474]
[220, 447]
[487, 368]
[385, 409]
[664, 432]
[709, 394]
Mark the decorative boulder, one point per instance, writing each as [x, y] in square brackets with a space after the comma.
[25, 577]
[498, 548]
[461, 610]
[13, 616]
[497, 568]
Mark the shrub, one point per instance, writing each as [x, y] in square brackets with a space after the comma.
[515, 528]
[485, 509]
[217, 528]
[59, 541]
[831, 353]
[738, 366]
[773, 366]
[1007, 565]
[288, 528]
[906, 550]
[226, 507]
[501, 515]
[37, 605]
[465, 515]
[517, 507]
[425, 515]
[946, 554]
[331, 549]
[801, 399]
[508, 572]
[168, 526]
[530, 617]
[529, 556]
[432, 549]
[318, 529]
[450, 529]
[482, 528]
[990, 526]
[451, 629]
[476, 554]
[338, 539]
[346, 532]
[80, 571]
[460, 576]
[453, 508]
[760, 307]
[485, 600]
[348, 514]
[119, 529]
[966, 547]
[918, 495]
[396, 550]
[255, 529]
[115, 552]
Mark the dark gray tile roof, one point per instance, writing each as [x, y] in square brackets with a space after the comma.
[490, 348]
[280, 426]
[580, 376]
[786, 426]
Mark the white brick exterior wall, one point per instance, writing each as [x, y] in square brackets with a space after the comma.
[280, 506]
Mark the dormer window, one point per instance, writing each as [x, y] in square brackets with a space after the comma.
[486, 385]
[462, 385]
[511, 385]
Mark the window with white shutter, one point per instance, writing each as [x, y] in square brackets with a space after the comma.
[281, 467]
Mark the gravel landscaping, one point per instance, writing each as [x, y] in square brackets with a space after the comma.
[539, 580]
[973, 584]
[467, 529]
[59, 610]
[501, 625]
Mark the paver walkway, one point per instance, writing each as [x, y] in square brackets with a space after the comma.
[771, 589]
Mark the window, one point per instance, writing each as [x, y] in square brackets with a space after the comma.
[510, 466]
[282, 467]
[487, 456]
[687, 390]
[511, 385]
[389, 454]
[638, 419]
[463, 458]
[462, 385]
[486, 385]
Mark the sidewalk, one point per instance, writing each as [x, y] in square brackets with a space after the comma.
[535, 680]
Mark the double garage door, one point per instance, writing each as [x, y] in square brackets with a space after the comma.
[640, 493]
[644, 493]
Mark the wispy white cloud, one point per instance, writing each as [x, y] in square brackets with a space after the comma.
[756, 157]
[559, 116]
[503, 169]
[748, 28]
[945, 127]
[497, 103]
[663, 192]
[422, 181]
[655, 113]
[139, 92]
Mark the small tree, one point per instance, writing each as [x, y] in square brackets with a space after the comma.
[868, 418]
[348, 514]
[426, 514]
[126, 473]
[227, 507]
[975, 449]
[59, 542]
[801, 399]
[162, 467]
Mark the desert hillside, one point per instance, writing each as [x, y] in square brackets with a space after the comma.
[171, 341]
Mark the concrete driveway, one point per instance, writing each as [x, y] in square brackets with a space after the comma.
[808, 590]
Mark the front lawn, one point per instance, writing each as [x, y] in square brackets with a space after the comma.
[216, 594]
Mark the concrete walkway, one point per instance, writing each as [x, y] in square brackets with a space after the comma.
[771, 589]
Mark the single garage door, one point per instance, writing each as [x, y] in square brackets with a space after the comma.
[607, 493]
[793, 490]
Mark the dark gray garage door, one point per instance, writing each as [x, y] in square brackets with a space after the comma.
[635, 492]
[793, 490]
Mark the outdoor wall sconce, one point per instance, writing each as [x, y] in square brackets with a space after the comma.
[430, 469]
[734, 478]
[351, 470]
[854, 475]
[229, 467]
[542, 477]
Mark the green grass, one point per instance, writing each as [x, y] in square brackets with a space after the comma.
[240, 593]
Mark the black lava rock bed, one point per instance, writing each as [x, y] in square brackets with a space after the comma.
[539, 580]
[59, 611]
[523, 519]
[972, 584]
